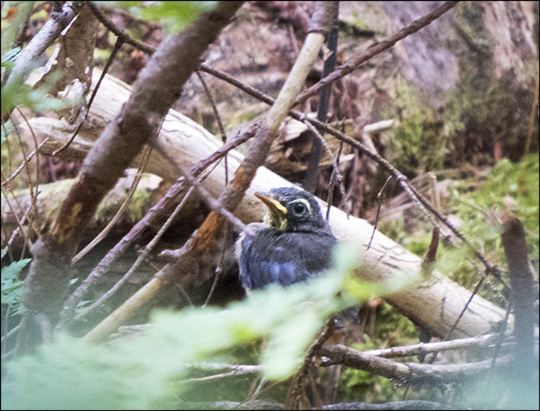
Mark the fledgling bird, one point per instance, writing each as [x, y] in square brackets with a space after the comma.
[294, 245]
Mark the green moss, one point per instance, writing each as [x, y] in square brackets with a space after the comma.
[139, 204]
[511, 190]
[359, 22]
[418, 144]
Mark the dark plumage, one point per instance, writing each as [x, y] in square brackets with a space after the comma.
[295, 245]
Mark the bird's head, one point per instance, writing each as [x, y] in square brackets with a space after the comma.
[293, 209]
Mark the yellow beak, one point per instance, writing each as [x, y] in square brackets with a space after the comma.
[278, 213]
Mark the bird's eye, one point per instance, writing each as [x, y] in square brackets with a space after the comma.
[299, 207]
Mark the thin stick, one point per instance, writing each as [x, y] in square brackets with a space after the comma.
[380, 197]
[218, 119]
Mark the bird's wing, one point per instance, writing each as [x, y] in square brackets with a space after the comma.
[283, 259]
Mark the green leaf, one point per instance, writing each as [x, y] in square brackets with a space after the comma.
[12, 286]
[145, 372]
[6, 129]
[17, 93]
[8, 59]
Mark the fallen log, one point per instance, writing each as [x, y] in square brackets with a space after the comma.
[435, 303]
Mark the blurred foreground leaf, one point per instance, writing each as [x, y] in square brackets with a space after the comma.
[139, 373]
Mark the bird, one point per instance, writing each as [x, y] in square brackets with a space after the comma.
[293, 244]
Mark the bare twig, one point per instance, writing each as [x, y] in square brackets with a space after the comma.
[15, 214]
[146, 252]
[312, 172]
[218, 120]
[406, 372]
[474, 292]
[111, 58]
[380, 198]
[159, 209]
[118, 214]
[482, 341]
[119, 33]
[234, 370]
[431, 256]
[332, 183]
[219, 268]
[34, 221]
[322, 142]
[36, 145]
[215, 205]
[140, 259]
[296, 396]
[27, 159]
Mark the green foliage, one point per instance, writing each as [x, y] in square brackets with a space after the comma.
[173, 15]
[418, 144]
[16, 92]
[138, 374]
[147, 372]
[8, 59]
[393, 328]
[360, 385]
[12, 286]
[6, 129]
[510, 190]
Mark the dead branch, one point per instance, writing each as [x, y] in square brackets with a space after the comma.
[482, 341]
[521, 296]
[409, 372]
